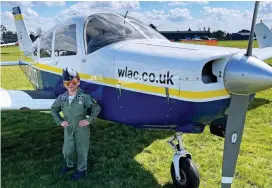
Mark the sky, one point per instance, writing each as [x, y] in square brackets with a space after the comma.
[228, 16]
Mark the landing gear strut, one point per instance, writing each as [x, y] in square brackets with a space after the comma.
[183, 171]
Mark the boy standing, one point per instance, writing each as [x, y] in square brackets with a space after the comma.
[75, 105]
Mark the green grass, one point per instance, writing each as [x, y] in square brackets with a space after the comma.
[236, 44]
[10, 53]
[122, 156]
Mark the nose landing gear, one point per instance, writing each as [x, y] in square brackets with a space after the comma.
[184, 172]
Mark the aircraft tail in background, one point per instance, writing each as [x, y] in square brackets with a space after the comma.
[263, 35]
[21, 30]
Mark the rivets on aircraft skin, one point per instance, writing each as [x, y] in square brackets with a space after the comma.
[220, 74]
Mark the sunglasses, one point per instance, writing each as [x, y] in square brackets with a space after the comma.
[74, 81]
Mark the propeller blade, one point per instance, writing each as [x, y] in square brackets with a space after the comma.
[233, 137]
[250, 42]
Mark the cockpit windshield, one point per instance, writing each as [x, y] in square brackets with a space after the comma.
[106, 28]
[147, 30]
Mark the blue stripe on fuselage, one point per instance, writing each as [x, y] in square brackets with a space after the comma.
[142, 110]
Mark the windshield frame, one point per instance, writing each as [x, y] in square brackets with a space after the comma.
[142, 24]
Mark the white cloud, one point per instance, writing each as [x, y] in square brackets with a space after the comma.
[200, 2]
[29, 12]
[156, 15]
[176, 14]
[184, 3]
[124, 4]
[265, 7]
[31, 17]
[180, 14]
[7, 20]
[48, 3]
[265, 13]
[176, 3]
[230, 20]
[33, 3]
[33, 20]
[86, 8]
[16, 3]
[215, 11]
[8, 15]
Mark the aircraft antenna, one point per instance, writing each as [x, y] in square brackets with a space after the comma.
[126, 14]
[125, 17]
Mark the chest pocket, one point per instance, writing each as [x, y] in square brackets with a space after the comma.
[78, 106]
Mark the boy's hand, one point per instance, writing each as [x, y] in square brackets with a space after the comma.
[83, 123]
[64, 124]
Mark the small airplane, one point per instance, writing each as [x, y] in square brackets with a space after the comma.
[197, 39]
[143, 80]
[210, 38]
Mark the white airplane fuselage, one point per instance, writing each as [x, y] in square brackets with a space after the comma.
[143, 83]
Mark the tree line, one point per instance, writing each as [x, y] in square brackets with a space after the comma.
[9, 36]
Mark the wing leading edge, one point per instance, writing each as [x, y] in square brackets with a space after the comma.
[22, 100]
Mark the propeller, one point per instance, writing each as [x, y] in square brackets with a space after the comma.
[244, 75]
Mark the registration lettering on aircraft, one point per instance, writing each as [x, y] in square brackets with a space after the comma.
[146, 76]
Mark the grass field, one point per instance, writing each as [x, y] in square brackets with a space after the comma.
[122, 156]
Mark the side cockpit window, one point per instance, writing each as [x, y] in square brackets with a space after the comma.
[66, 41]
[46, 45]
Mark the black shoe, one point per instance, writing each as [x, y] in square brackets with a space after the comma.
[78, 175]
[66, 169]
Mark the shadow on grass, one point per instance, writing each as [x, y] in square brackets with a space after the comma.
[32, 153]
[257, 102]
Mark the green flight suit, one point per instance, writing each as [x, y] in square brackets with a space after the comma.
[76, 137]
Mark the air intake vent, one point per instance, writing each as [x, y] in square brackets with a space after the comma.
[207, 74]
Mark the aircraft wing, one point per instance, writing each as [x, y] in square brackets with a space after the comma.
[9, 44]
[263, 53]
[26, 99]
[9, 63]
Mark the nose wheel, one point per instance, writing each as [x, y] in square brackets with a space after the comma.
[184, 172]
[189, 177]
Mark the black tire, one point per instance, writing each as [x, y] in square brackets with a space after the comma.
[188, 173]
